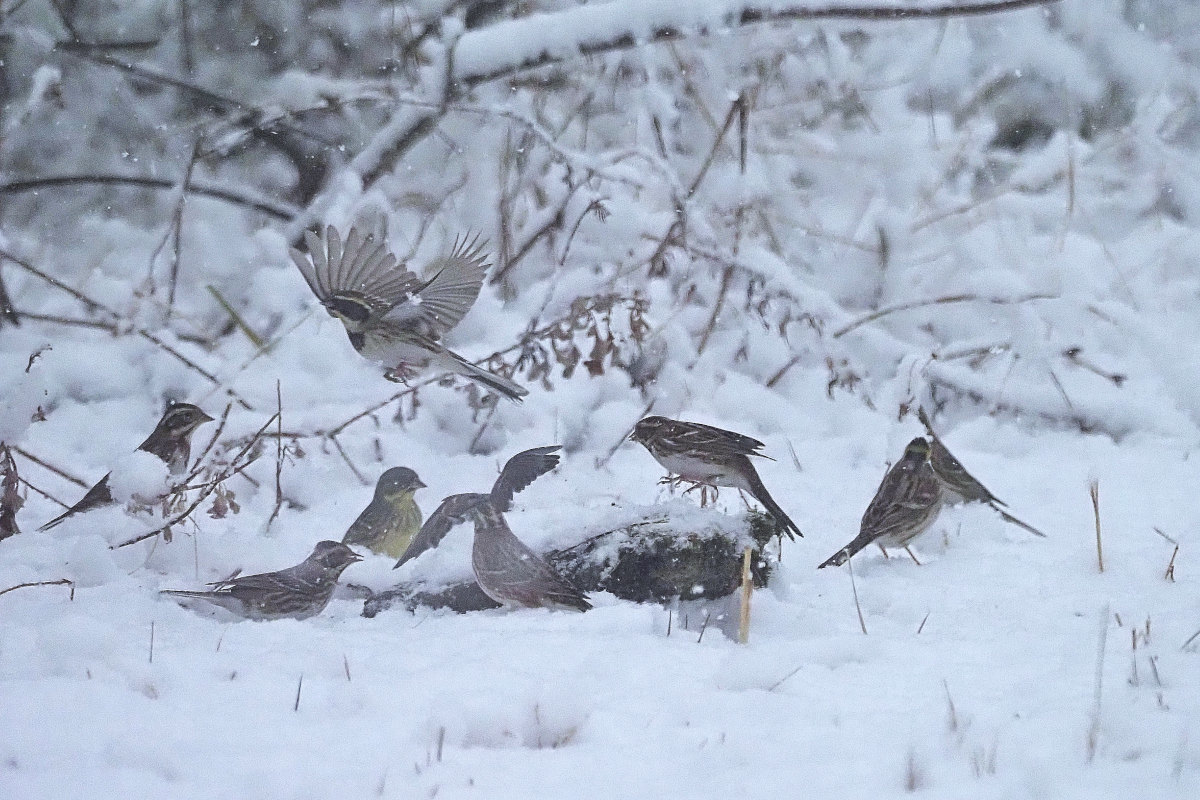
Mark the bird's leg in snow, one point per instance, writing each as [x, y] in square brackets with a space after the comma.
[910, 555]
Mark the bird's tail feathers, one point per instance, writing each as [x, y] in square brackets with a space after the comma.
[497, 383]
[782, 521]
[844, 555]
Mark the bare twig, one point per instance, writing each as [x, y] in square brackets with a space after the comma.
[1094, 492]
[10, 499]
[56, 470]
[59, 582]
[254, 338]
[234, 196]
[299, 686]
[862, 624]
[278, 454]
[939, 301]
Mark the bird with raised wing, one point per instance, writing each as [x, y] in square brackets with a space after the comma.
[393, 317]
[390, 521]
[707, 456]
[519, 471]
[298, 592]
[171, 441]
[905, 505]
[512, 574]
[961, 486]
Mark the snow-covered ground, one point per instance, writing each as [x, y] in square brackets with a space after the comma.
[886, 245]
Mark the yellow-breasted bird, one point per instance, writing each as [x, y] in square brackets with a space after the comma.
[518, 472]
[390, 521]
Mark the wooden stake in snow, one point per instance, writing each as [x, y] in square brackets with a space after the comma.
[1094, 491]
[747, 591]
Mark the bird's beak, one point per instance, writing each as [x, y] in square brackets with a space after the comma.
[207, 418]
[421, 484]
[357, 557]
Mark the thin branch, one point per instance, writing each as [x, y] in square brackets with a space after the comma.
[59, 582]
[59, 472]
[234, 196]
[278, 454]
[939, 301]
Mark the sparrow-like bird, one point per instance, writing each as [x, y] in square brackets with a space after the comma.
[512, 574]
[393, 317]
[298, 592]
[520, 471]
[961, 486]
[389, 522]
[905, 505]
[171, 441]
[706, 456]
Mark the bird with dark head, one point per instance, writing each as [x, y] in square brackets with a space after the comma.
[389, 522]
[960, 486]
[518, 472]
[171, 441]
[905, 505]
[391, 316]
[512, 574]
[707, 456]
[297, 592]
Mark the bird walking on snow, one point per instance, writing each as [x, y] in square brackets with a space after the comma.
[961, 486]
[905, 505]
[520, 471]
[512, 574]
[390, 521]
[710, 457]
[298, 592]
[393, 317]
[171, 441]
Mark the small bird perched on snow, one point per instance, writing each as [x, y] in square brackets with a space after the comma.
[393, 317]
[710, 457]
[389, 522]
[961, 486]
[519, 471]
[171, 441]
[512, 574]
[298, 592]
[905, 505]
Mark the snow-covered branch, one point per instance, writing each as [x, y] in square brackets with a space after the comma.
[542, 39]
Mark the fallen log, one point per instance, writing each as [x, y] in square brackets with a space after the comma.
[696, 555]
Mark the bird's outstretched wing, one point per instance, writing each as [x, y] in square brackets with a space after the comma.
[520, 471]
[361, 269]
[451, 288]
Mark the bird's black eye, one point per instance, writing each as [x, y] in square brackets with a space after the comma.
[350, 308]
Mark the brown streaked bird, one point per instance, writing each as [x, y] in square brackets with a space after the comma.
[519, 471]
[961, 486]
[390, 521]
[171, 441]
[706, 456]
[905, 505]
[298, 592]
[393, 317]
[512, 574]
